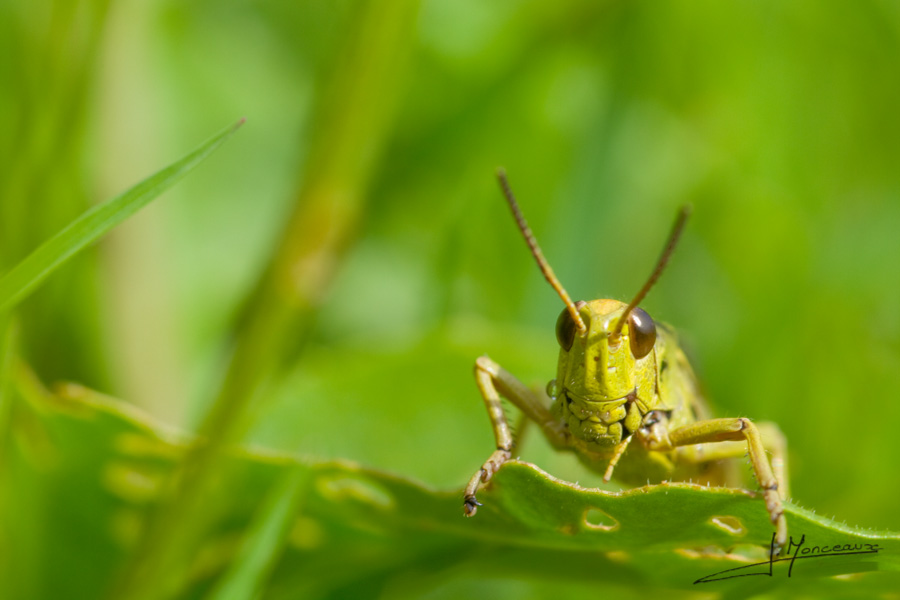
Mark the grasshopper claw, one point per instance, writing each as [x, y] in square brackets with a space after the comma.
[471, 505]
[482, 476]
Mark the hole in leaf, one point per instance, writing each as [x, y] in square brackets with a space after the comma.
[730, 525]
[306, 534]
[594, 518]
[132, 482]
[343, 488]
[140, 445]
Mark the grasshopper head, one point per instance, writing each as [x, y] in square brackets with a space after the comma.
[606, 361]
[607, 364]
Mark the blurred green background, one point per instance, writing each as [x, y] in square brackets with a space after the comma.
[778, 121]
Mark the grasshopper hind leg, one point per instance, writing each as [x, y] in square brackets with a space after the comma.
[776, 445]
[696, 443]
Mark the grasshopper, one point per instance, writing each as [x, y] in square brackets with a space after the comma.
[626, 400]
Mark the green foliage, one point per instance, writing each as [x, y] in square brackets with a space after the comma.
[288, 528]
[323, 287]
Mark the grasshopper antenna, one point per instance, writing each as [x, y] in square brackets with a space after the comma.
[536, 251]
[677, 228]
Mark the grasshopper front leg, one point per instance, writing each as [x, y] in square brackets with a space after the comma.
[494, 381]
[658, 437]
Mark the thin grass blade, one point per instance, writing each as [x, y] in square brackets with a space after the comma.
[22, 279]
[265, 539]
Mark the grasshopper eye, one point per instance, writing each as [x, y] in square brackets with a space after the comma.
[565, 329]
[642, 334]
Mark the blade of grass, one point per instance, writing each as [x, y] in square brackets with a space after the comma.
[353, 128]
[265, 538]
[8, 331]
[94, 223]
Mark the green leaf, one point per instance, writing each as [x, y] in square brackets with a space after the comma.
[22, 279]
[84, 471]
